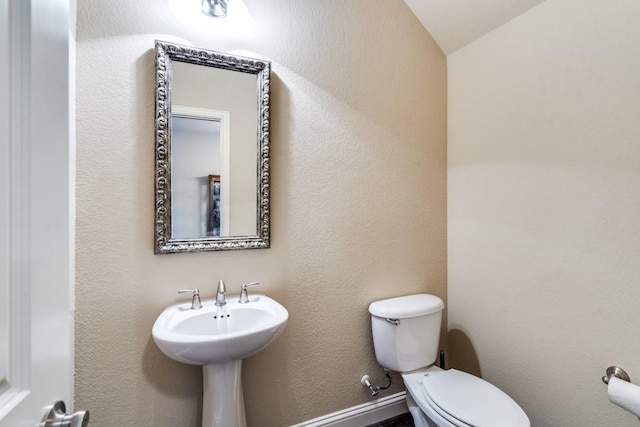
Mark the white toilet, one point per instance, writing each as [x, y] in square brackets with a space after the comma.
[406, 332]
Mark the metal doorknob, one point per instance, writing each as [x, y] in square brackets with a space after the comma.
[56, 416]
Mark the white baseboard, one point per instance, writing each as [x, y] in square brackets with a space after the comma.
[362, 415]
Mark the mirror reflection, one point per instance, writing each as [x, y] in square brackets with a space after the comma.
[195, 153]
[212, 186]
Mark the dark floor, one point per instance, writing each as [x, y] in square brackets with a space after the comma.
[404, 420]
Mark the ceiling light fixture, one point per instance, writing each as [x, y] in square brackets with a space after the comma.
[215, 8]
[238, 22]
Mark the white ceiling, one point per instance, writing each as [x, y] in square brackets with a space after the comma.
[456, 23]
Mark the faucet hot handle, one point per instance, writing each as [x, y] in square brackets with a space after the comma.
[244, 296]
[222, 290]
[196, 304]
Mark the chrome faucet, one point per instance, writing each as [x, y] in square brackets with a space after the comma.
[195, 302]
[244, 295]
[220, 298]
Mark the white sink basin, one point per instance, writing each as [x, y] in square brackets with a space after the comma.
[216, 335]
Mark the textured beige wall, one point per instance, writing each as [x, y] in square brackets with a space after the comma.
[358, 204]
[544, 242]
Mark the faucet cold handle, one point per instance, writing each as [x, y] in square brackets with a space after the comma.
[196, 304]
[220, 294]
[244, 296]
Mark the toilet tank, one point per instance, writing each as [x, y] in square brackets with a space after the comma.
[406, 331]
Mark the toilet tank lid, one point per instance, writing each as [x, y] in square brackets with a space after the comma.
[406, 306]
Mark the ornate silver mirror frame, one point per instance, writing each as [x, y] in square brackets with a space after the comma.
[165, 54]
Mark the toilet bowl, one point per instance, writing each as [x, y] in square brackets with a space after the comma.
[405, 335]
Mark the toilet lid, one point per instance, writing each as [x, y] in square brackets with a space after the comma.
[472, 400]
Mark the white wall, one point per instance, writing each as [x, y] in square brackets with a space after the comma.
[543, 208]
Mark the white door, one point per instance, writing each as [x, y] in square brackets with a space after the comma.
[36, 208]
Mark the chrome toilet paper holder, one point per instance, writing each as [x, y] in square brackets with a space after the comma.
[616, 371]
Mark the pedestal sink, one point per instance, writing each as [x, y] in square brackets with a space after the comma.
[218, 338]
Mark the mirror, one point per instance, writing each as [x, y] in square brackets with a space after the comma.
[212, 150]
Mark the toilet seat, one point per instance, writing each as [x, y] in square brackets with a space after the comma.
[468, 401]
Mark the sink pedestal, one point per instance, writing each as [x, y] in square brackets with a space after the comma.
[218, 338]
[222, 401]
